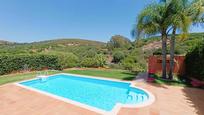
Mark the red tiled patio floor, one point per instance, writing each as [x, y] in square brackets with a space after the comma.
[15, 100]
[170, 100]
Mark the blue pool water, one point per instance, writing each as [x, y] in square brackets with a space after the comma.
[102, 94]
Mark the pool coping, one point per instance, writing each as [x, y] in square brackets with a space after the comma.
[115, 109]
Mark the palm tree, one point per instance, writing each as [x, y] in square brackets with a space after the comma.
[184, 13]
[154, 20]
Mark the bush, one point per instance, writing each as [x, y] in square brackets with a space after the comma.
[10, 63]
[68, 60]
[195, 62]
[178, 51]
[90, 53]
[98, 60]
[88, 62]
[115, 66]
[131, 63]
[135, 61]
[118, 56]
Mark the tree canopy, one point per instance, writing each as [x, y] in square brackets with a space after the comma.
[119, 41]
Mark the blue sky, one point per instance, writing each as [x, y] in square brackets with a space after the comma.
[38, 20]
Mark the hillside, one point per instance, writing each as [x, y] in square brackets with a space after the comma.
[182, 45]
[80, 46]
[118, 53]
[75, 46]
[3, 42]
[69, 42]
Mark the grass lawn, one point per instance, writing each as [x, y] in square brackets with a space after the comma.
[20, 76]
[117, 74]
[174, 82]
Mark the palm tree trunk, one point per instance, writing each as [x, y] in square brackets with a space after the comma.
[164, 47]
[172, 50]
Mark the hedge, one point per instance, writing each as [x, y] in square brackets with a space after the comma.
[195, 62]
[10, 63]
[66, 59]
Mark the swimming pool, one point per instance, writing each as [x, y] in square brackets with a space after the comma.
[92, 92]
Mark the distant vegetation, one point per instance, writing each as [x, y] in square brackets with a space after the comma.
[118, 53]
[182, 45]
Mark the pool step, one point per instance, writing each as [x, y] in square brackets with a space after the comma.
[134, 98]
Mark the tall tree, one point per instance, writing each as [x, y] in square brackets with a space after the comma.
[154, 20]
[183, 14]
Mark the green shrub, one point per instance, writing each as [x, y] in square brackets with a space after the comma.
[118, 56]
[98, 60]
[90, 53]
[195, 62]
[131, 63]
[68, 60]
[178, 51]
[135, 61]
[115, 66]
[10, 63]
[88, 62]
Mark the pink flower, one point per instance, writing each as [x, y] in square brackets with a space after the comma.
[196, 83]
[150, 79]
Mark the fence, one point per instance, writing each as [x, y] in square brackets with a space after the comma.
[155, 64]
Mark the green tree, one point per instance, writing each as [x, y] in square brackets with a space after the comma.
[183, 14]
[119, 41]
[152, 20]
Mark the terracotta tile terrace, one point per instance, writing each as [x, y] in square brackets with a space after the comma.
[170, 100]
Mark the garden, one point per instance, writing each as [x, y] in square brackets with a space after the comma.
[120, 53]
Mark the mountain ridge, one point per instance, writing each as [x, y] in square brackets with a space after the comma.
[69, 41]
